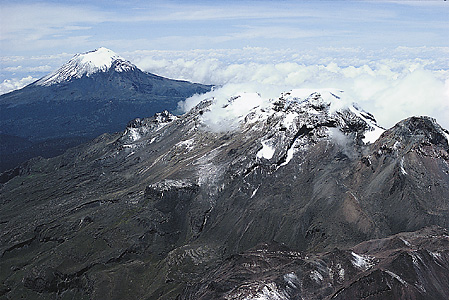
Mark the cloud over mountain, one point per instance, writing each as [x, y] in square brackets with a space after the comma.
[392, 88]
[392, 84]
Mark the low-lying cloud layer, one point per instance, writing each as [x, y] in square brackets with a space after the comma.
[407, 82]
[15, 83]
[391, 84]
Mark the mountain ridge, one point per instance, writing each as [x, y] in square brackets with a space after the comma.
[166, 204]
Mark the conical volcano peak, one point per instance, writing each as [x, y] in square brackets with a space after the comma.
[86, 64]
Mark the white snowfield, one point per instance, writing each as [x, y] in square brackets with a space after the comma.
[86, 64]
[375, 132]
[266, 152]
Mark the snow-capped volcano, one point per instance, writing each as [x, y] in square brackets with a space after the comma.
[93, 93]
[189, 202]
[86, 64]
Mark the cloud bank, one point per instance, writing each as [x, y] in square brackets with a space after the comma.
[408, 82]
[392, 84]
[12, 84]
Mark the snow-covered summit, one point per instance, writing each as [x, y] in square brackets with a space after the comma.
[86, 64]
[297, 106]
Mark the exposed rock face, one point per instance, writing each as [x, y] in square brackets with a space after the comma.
[163, 209]
[403, 266]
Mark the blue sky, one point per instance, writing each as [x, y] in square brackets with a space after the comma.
[51, 27]
[291, 44]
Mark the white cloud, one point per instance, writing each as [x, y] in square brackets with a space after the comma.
[9, 85]
[230, 103]
[390, 96]
[391, 88]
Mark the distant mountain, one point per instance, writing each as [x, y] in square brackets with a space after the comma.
[87, 64]
[291, 198]
[93, 93]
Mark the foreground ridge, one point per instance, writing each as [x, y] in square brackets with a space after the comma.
[185, 207]
[410, 265]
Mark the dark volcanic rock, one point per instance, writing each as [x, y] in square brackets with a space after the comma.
[169, 208]
[397, 267]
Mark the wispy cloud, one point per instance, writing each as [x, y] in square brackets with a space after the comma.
[278, 11]
[44, 25]
[49, 25]
[34, 21]
[45, 68]
[419, 3]
[229, 10]
[280, 32]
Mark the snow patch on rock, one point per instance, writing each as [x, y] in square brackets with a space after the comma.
[289, 119]
[187, 144]
[362, 262]
[255, 191]
[316, 276]
[292, 280]
[341, 272]
[269, 292]
[397, 277]
[290, 152]
[407, 243]
[374, 132]
[134, 134]
[266, 152]
[447, 137]
[402, 166]
[168, 184]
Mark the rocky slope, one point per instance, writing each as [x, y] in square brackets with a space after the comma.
[410, 265]
[270, 207]
[93, 93]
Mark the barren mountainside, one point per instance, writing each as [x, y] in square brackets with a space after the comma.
[294, 200]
